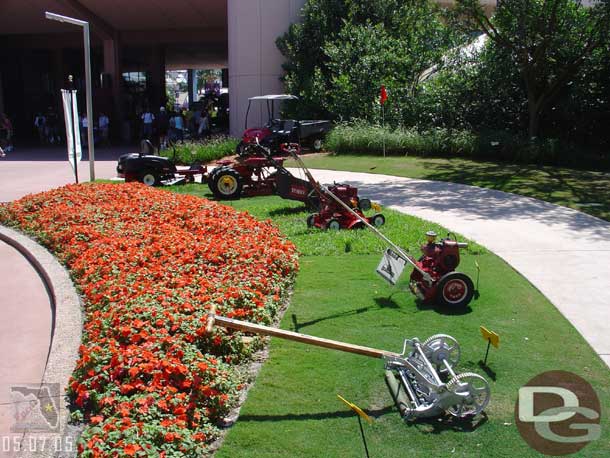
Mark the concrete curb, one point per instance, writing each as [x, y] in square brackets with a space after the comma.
[67, 323]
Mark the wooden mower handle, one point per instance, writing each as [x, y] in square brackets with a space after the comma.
[294, 336]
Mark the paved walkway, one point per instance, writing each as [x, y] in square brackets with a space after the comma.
[25, 329]
[562, 252]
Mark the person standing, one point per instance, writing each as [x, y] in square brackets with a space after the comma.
[84, 127]
[6, 133]
[40, 124]
[147, 124]
[103, 124]
[177, 124]
[163, 126]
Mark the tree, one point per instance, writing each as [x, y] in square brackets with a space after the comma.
[344, 50]
[548, 40]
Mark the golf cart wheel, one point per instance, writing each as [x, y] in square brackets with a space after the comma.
[474, 391]
[150, 178]
[378, 220]
[365, 204]
[227, 184]
[317, 145]
[333, 224]
[455, 290]
[311, 220]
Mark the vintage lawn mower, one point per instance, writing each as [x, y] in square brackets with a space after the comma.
[153, 170]
[278, 131]
[338, 205]
[422, 379]
[433, 279]
[258, 174]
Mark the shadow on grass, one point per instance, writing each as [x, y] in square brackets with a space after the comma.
[438, 425]
[316, 416]
[287, 211]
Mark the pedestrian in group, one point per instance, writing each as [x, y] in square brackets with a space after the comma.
[103, 124]
[6, 134]
[51, 127]
[147, 124]
[84, 128]
[163, 126]
[204, 125]
[176, 124]
[40, 122]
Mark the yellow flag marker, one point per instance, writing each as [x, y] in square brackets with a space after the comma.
[375, 206]
[356, 409]
[490, 336]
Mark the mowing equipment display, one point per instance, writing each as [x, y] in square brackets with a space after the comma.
[421, 379]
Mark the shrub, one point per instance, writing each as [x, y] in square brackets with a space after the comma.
[362, 138]
[186, 153]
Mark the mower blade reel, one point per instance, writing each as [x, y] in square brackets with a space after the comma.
[399, 394]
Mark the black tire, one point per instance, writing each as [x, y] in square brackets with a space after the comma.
[211, 176]
[455, 290]
[365, 204]
[317, 145]
[149, 178]
[333, 224]
[310, 220]
[377, 220]
[227, 184]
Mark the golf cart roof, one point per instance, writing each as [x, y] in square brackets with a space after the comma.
[275, 97]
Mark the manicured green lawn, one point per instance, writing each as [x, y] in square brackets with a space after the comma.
[583, 190]
[292, 410]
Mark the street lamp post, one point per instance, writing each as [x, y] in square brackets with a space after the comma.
[87, 46]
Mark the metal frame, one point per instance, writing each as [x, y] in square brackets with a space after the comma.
[87, 46]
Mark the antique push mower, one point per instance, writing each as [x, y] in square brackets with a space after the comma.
[433, 279]
[421, 379]
[338, 205]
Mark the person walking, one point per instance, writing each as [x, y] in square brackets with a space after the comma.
[177, 125]
[147, 124]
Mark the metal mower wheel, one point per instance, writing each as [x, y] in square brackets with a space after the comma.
[149, 178]
[477, 394]
[455, 290]
[365, 204]
[226, 184]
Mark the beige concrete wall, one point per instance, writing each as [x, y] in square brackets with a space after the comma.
[255, 64]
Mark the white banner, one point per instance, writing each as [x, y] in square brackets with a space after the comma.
[72, 126]
[391, 266]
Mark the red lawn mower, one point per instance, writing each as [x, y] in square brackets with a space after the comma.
[338, 205]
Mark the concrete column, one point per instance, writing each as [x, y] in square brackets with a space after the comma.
[157, 78]
[112, 67]
[255, 63]
[191, 81]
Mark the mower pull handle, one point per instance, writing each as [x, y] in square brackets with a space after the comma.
[211, 319]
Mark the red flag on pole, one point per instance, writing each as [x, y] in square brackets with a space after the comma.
[384, 95]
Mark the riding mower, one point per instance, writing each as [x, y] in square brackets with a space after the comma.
[153, 170]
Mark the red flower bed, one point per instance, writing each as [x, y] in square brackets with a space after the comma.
[149, 264]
